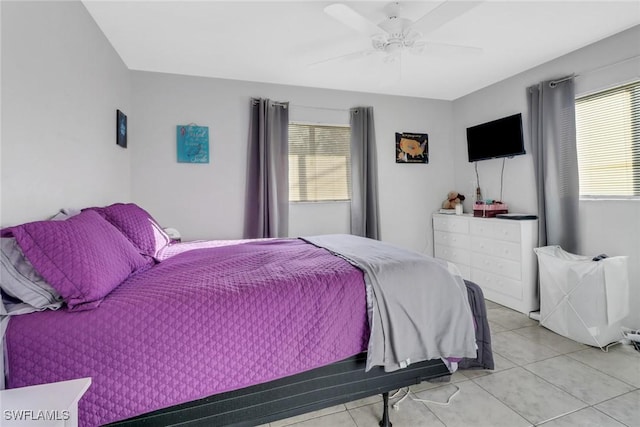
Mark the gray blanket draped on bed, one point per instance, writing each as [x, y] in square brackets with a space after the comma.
[417, 308]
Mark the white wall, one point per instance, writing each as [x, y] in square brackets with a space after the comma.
[61, 85]
[206, 200]
[611, 227]
[62, 82]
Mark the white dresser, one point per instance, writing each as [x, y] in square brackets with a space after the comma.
[497, 254]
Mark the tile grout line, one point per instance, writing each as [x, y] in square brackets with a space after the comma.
[603, 372]
[562, 415]
[549, 383]
[548, 346]
[609, 416]
[429, 409]
[504, 403]
[554, 385]
[590, 367]
[351, 415]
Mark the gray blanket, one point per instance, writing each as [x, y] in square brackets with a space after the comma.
[418, 309]
[483, 333]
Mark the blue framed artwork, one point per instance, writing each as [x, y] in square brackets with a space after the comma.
[193, 143]
[121, 129]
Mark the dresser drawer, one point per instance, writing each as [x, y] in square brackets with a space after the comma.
[451, 224]
[501, 284]
[497, 248]
[499, 266]
[460, 261]
[455, 255]
[496, 229]
[456, 240]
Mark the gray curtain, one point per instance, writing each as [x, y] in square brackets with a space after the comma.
[364, 174]
[553, 146]
[267, 198]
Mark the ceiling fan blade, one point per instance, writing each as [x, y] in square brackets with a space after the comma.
[423, 47]
[353, 19]
[443, 13]
[348, 56]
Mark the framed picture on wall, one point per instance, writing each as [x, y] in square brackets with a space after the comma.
[121, 129]
[412, 147]
[193, 143]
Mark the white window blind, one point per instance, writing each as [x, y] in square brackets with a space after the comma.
[319, 163]
[608, 142]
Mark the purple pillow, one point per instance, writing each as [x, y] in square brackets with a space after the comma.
[136, 223]
[84, 257]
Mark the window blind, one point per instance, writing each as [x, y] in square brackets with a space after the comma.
[319, 163]
[608, 142]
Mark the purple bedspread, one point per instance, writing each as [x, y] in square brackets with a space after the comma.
[199, 323]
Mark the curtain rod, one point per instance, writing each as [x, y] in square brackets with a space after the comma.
[319, 108]
[254, 101]
[553, 83]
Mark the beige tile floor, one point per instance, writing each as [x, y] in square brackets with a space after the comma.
[541, 378]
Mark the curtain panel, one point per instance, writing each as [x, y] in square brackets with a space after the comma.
[267, 190]
[364, 174]
[552, 131]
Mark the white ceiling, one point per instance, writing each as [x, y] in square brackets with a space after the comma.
[278, 42]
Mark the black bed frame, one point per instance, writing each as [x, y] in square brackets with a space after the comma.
[319, 388]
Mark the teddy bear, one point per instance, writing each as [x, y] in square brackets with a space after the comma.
[453, 198]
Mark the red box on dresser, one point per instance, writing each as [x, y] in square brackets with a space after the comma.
[489, 210]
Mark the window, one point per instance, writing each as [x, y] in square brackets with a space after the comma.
[608, 142]
[319, 163]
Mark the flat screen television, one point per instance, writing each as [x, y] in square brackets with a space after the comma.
[495, 139]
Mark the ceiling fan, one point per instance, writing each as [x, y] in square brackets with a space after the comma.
[397, 34]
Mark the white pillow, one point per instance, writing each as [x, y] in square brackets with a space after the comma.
[19, 279]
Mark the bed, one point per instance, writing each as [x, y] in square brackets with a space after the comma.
[219, 333]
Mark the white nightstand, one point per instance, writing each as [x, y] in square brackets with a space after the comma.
[54, 404]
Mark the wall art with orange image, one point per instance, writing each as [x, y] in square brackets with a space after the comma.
[412, 147]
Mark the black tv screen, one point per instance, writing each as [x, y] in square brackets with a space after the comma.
[498, 138]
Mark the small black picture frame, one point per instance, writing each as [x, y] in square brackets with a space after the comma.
[412, 147]
[121, 129]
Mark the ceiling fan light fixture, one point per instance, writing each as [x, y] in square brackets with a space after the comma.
[394, 46]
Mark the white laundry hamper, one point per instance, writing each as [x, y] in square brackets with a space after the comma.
[582, 299]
